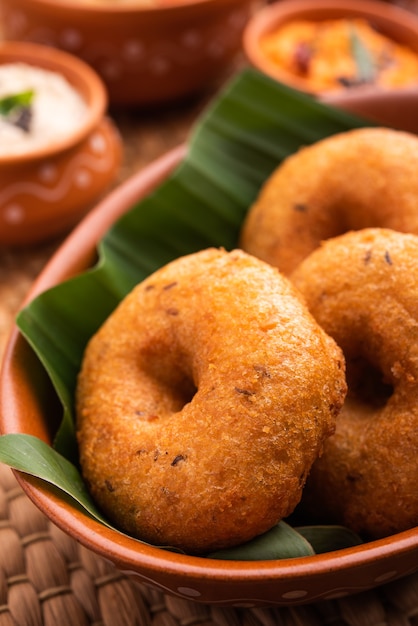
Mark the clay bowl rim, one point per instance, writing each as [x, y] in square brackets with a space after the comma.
[74, 69]
[77, 253]
[85, 8]
[270, 16]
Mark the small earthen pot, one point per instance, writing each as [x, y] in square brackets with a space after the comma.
[46, 190]
[392, 107]
[145, 55]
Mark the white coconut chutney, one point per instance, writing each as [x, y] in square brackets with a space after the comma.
[55, 111]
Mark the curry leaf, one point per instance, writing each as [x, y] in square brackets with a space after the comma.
[16, 101]
[366, 68]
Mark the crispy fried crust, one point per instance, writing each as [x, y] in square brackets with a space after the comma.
[362, 288]
[361, 178]
[203, 401]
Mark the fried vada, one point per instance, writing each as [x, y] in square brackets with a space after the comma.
[362, 288]
[357, 179]
[203, 401]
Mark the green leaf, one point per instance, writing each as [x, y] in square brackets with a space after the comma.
[329, 538]
[240, 139]
[56, 330]
[281, 542]
[33, 456]
[8, 104]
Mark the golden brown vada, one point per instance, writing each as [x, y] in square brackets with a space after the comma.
[203, 401]
[357, 179]
[362, 288]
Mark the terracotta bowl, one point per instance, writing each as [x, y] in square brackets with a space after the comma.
[28, 405]
[144, 55]
[45, 191]
[386, 106]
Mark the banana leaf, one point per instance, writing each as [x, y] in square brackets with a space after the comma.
[244, 134]
[280, 542]
[327, 538]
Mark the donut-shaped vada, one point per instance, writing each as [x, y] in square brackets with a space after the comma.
[362, 288]
[203, 401]
[357, 179]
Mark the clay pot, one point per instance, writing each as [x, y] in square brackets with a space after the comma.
[392, 107]
[45, 191]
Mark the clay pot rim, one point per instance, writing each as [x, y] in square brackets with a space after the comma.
[80, 6]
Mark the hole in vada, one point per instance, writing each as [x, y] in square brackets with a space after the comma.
[177, 388]
[185, 392]
[366, 383]
[169, 376]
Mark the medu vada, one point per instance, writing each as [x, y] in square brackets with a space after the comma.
[203, 401]
[357, 179]
[362, 288]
